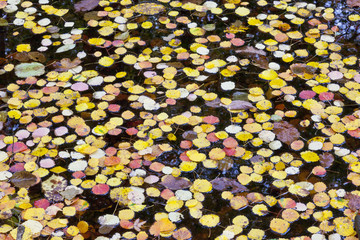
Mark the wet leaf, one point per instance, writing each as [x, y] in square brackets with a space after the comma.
[227, 184]
[148, 8]
[353, 3]
[86, 5]
[37, 56]
[326, 160]
[175, 183]
[66, 64]
[23, 179]
[238, 105]
[286, 132]
[25, 70]
[354, 201]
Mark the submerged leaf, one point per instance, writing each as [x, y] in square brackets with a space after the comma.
[227, 184]
[326, 160]
[23, 179]
[286, 132]
[238, 105]
[86, 5]
[175, 183]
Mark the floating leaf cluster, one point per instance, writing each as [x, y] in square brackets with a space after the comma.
[179, 119]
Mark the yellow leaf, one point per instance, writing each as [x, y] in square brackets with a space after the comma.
[106, 61]
[23, 48]
[202, 185]
[173, 204]
[344, 226]
[96, 41]
[279, 225]
[309, 156]
[58, 223]
[191, 72]
[58, 169]
[210, 220]
[130, 59]
[188, 166]
[242, 11]
[268, 74]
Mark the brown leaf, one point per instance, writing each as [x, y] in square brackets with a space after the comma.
[23, 179]
[286, 132]
[302, 68]
[86, 5]
[354, 201]
[21, 56]
[189, 135]
[225, 164]
[326, 160]
[182, 234]
[37, 56]
[66, 64]
[238, 105]
[261, 62]
[175, 183]
[227, 184]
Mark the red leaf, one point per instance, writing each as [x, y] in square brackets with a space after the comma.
[100, 189]
[307, 94]
[42, 203]
[211, 119]
[17, 147]
[230, 142]
[112, 161]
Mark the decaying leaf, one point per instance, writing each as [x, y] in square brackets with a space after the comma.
[286, 132]
[326, 159]
[250, 51]
[238, 105]
[354, 201]
[353, 3]
[23, 179]
[227, 184]
[66, 64]
[37, 56]
[86, 5]
[175, 183]
[301, 69]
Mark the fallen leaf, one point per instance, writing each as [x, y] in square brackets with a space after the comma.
[227, 184]
[23, 179]
[326, 160]
[175, 183]
[286, 132]
[353, 3]
[66, 64]
[86, 5]
[238, 105]
[354, 201]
